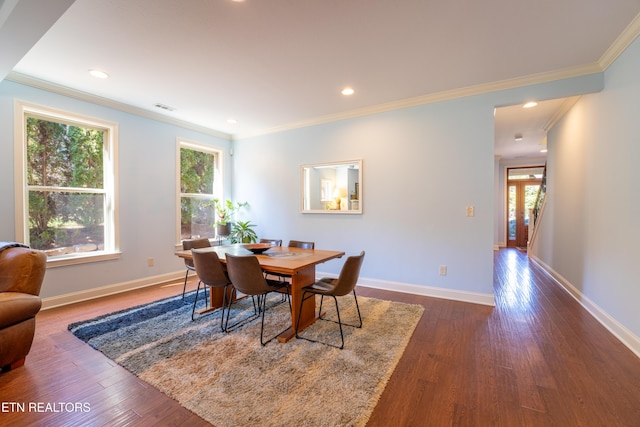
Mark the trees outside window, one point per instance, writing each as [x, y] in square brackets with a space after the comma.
[200, 183]
[69, 182]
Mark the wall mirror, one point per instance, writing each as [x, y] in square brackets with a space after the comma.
[334, 187]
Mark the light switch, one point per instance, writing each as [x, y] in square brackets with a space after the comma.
[470, 211]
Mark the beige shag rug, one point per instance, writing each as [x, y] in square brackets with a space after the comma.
[231, 380]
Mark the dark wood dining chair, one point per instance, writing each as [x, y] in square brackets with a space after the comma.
[247, 277]
[343, 285]
[272, 242]
[211, 273]
[188, 263]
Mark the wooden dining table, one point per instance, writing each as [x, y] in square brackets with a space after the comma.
[298, 263]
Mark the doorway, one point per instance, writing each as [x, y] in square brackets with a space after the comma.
[522, 189]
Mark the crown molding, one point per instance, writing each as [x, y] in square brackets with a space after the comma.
[621, 43]
[630, 33]
[564, 108]
[435, 97]
[109, 103]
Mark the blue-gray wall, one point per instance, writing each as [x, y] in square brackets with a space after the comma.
[591, 222]
[147, 196]
[422, 166]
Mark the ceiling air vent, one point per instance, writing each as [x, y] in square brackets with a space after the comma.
[164, 107]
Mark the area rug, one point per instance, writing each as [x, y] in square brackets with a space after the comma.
[229, 379]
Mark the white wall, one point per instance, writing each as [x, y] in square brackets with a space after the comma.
[147, 173]
[591, 224]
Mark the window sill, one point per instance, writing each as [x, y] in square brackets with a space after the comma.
[61, 261]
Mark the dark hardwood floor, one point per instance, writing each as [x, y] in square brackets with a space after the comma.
[535, 359]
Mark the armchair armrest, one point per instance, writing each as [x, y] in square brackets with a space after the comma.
[22, 270]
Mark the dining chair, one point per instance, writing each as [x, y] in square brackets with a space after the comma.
[343, 285]
[210, 273]
[188, 263]
[301, 244]
[246, 276]
[272, 242]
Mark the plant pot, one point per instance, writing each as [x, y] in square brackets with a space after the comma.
[223, 230]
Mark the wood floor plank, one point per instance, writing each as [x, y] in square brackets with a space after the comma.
[535, 359]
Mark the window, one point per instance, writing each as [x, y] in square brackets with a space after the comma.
[524, 173]
[66, 186]
[199, 170]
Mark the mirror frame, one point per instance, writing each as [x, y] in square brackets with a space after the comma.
[358, 189]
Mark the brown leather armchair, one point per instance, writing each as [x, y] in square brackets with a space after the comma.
[21, 274]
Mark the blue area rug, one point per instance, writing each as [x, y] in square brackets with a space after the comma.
[229, 379]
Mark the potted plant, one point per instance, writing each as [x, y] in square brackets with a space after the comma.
[243, 232]
[224, 215]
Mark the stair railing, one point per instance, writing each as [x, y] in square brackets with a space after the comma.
[538, 206]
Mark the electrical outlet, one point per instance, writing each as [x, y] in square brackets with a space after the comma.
[470, 211]
[150, 262]
[443, 270]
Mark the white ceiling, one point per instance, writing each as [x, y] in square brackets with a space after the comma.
[530, 123]
[277, 64]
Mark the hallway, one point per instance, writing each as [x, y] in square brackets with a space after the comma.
[537, 359]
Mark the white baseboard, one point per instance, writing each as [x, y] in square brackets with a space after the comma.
[103, 291]
[428, 291]
[407, 288]
[616, 328]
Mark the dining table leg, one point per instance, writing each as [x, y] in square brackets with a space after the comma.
[217, 296]
[307, 315]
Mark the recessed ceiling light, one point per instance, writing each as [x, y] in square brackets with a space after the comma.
[348, 91]
[530, 104]
[98, 73]
[544, 150]
[518, 137]
[232, 121]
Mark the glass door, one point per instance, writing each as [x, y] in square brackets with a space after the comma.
[522, 189]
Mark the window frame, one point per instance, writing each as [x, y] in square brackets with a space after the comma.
[218, 177]
[22, 110]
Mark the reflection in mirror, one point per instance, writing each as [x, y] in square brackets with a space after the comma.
[331, 187]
